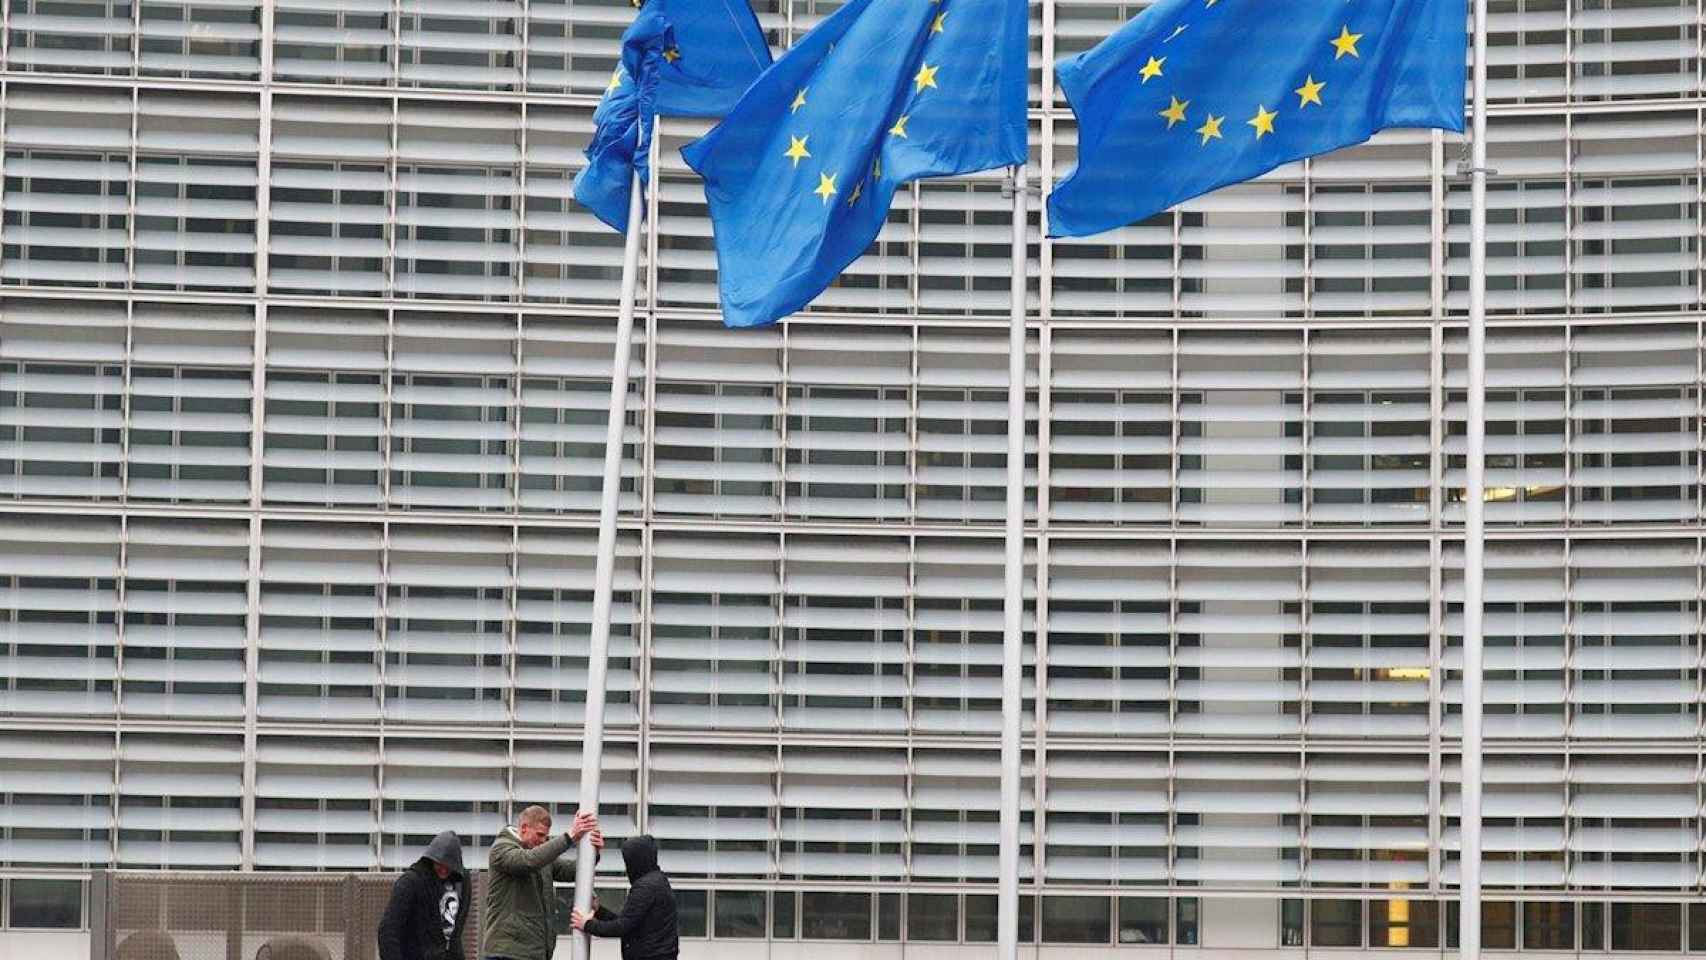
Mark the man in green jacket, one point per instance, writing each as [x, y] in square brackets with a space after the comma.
[524, 862]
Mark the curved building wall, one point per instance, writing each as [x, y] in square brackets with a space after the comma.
[303, 363]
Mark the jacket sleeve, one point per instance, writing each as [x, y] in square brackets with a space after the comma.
[634, 910]
[510, 858]
[563, 868]
[396, 919]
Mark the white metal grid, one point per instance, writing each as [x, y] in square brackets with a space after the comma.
[302, 356]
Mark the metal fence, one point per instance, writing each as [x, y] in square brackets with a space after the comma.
[248, 916]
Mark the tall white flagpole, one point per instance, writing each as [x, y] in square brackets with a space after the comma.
[604, 570]
[1474, 506]
[1013, 637]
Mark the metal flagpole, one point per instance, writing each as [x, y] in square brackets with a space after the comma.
[1013, 637]
[1474, 506]
[604, 571]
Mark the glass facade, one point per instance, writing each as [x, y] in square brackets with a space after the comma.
[304, 355]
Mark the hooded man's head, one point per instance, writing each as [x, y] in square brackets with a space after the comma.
[639, 856]
[444, 855]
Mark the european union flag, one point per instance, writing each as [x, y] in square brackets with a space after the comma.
[720, 51]
[1196, 94]
[800, 175]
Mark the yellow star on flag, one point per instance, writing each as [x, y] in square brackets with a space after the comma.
[1263, 121]
[1175, 111]
[799, 100]
[672, 54]
[877, 168]
[615, 79]
[926, 77]
[1309, 93]
[1346, 42]
[1210, 129]
[936, 25]
[826, 186]
[797, 148]
[899, 128]
[1151, 69]
[858, 188]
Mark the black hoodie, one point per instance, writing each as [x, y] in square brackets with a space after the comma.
[647, 923]
[425, 916]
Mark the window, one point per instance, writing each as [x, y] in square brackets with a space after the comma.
[982, 920]
[41, 904]
[1291, 923]
[1143, 920]
[1188, 911]
[1403, 923]
[1075, 919]
[888, 917]
[933, 916]
[784, 915]
[1552, 926]
[1498, 925]
[740, 915]
[690, 912]
[835, 916]
[1593, 927]
[1646, 926]
[1335, 923]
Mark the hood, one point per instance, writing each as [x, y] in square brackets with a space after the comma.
[639, 856]
[446, 848]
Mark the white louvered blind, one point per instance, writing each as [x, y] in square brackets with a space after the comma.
[714, 638]
[195, 191]
[180, 802]
[956, 801]
[61, 427]
[82, 36]
[185, 619]
[60, 577]
[321, 622]
[712, 808]
[429, 784]
[553, 627]
[200, 39]
[548, 773]
[316, 802]
[333, 41]
[1109, 817]
[845, 622]
[842, 813]
[447, 609]
[59, 789]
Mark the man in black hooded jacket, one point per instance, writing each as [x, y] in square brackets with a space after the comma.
[429, 904]
[647, 923]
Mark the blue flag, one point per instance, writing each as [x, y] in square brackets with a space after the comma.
[1191, 95]
[800, 175]
[689, 58]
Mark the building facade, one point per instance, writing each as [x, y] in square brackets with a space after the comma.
[304, 358]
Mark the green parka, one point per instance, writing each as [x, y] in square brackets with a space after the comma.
[515, 921]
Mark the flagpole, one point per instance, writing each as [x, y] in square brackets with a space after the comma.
[604, 570]
[1474, 506]
[1013, 638]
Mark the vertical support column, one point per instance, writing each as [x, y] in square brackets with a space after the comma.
[1474, 512]
[1436, 509]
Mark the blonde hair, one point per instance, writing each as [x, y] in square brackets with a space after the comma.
[536, 815]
